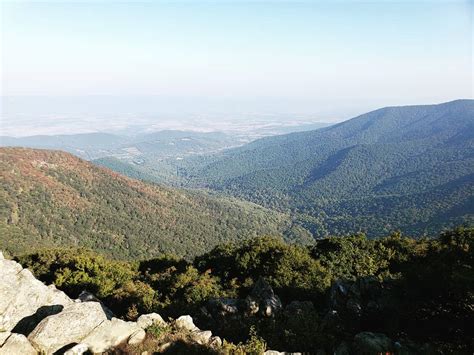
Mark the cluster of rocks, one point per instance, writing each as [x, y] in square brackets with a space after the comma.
[35, 318]
[351, 305]
[201, 337]
[362, 304]
[363, 299]
[261, 301]
[358, 305]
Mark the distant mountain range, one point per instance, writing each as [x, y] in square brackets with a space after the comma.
[51, 198]
[409, 168]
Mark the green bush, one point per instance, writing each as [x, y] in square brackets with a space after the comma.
[290, 269]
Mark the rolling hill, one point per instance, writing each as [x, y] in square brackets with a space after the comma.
[408, 168]
[52, 198]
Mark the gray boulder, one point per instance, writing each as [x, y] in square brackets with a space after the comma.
[137, 337]
[215, 342]
[110, 333]
[78, 349]
[147, 320]
[22, 295]
[70, 326]
[4, 336]
[17, 344]
[201, 336]
[186, 323]
[86, 296]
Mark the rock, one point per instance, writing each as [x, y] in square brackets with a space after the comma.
[372, 343]
[17, 344]
[137, 338]
[251, 306]
[56, 324]
[86, 296]
[147, 320]
[274, 352]
[4, 336]
[110, 333]
[367, 300]
[223, 307]
[201, 336]
[27, 324]
[261, 300]
[21, 295]
[78, 349]
[215, 342]
[263, 295]
[70, 326]
[261, 290]
[1, 255]
[186, 323]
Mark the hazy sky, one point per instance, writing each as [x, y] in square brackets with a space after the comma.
[327, 58]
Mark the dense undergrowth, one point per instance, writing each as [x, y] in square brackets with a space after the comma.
[421, 289]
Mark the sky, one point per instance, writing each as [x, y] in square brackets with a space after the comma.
[324, 59]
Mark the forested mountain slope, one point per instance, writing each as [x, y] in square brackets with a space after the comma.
[51, 198]
[408, 168]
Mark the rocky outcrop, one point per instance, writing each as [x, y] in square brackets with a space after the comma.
[24, 300]
[186, 323]
[15, 344]
[147, 320]
[74, 323]
[201, 337]
[39, 319]
[261, 301]
[112, 332]
[360, 304]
